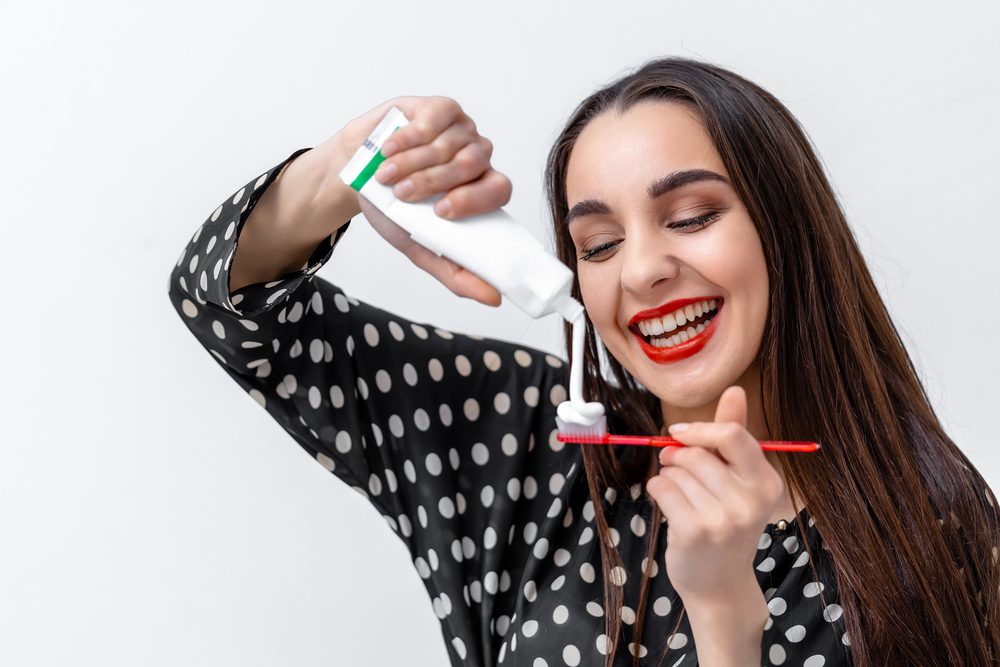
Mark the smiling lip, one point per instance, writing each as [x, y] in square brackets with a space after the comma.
[666, 355]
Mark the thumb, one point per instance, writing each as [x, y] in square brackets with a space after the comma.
[732, 406]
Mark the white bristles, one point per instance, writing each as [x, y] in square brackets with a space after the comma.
[572, 429]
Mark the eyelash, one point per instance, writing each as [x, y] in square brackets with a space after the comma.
[699, 222]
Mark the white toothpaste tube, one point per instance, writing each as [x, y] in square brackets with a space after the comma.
[491, 245]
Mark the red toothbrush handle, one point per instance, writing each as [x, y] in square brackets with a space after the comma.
[663, 441]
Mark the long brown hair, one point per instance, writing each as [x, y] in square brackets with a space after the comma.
[910, 523]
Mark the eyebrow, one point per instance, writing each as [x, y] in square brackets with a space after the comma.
[657, 188]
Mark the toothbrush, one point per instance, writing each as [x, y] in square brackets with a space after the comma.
[590, 435]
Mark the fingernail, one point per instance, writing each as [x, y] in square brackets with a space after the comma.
[388, 148]
[403, 189]
[678, 427]
[386, 172]
[443, 208]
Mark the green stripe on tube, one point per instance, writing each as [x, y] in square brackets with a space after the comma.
[369, 169]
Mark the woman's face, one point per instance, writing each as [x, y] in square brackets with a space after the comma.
[651, 183]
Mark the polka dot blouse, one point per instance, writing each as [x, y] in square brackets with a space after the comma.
[452, 439]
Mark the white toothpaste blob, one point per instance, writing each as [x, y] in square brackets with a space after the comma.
[576, 411]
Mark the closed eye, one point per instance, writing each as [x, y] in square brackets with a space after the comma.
[696, 223]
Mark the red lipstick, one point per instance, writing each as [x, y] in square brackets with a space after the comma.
[666, 355]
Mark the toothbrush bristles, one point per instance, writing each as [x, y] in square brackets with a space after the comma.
[581, 433]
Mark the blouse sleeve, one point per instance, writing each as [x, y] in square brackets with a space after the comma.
[433, 427]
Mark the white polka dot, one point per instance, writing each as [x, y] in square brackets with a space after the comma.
[315, 397]
[602, 644]
[530, 591]
[239, 195]
[801, 560]
[637, 525]
[410, 471]
[618, 576]
[336, 396]
[490, 582]
[446, 507]
[444, 412]
[486, 496]
[215, 216]
[443, 333]
[522, 358]
[396, 426]
[453, 458]
[433, 463]
[421, 419]
[480, 454]
[189, 308]
[764, 541]
[230, 229]
[422, 515]
[560, 614]
[571, 655]
[557, 394]
[586, 535]
[832, 612]
[295, 313]
[555, 508]
[405, 526]
[649, 566]
[419, 330]
[530, 487]
[340, 301]
[678, 640]
[553, 361]
[514, 488]
[529, 628]
[374, 485]
[343, 442]
[502, 623]
[459, 647]
[766, 565]
[471, 409]
[812, 589]
[396, 331]
[561, 557]
[409, 374]
[642, 649]
[324, 460]
[814, 661]
[539, 662]
[777, 605]
[558, 582]
[530, 532]
[587, 573]
[218, 329]
[662, 606]
[371, 334]
[501, 403]
[531, 396]
[594, 609]
[463, 365]
[490, 538]
[316, 352]
[422, 567]
[508, 444]
[796, 633]
[541, 548]
[628, 615]
[476, 591]
[776, 654]
[259, 397]
[791, 544]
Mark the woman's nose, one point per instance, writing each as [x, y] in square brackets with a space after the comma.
[645, 263]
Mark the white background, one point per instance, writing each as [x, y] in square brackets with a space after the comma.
[152, 513]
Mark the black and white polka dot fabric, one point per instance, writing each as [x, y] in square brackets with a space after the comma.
[452, 438]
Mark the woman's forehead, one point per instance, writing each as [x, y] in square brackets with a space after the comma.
[650, 140]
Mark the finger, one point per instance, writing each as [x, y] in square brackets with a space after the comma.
[732, 406]
[706, 467]
[488, 193]
[430, 118]
[670, 499]
[700, 498]
[468, 164]
[439, 151]
[729, 440]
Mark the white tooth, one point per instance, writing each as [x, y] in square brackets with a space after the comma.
[698, 310]
[683, 336]
[681, 317]
[689, 312]
[705, 307]
[669, 323]
[655, 327]
[713, 303]
[642, 328]
[691, 332]
[658, 342]
[700, 328]
[675, 339]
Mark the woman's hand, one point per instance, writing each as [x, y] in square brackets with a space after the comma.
[439, 151]
[717, 494]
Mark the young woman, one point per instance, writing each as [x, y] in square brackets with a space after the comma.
[680, 194]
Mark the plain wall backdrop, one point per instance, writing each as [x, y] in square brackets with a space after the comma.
[152, 513]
